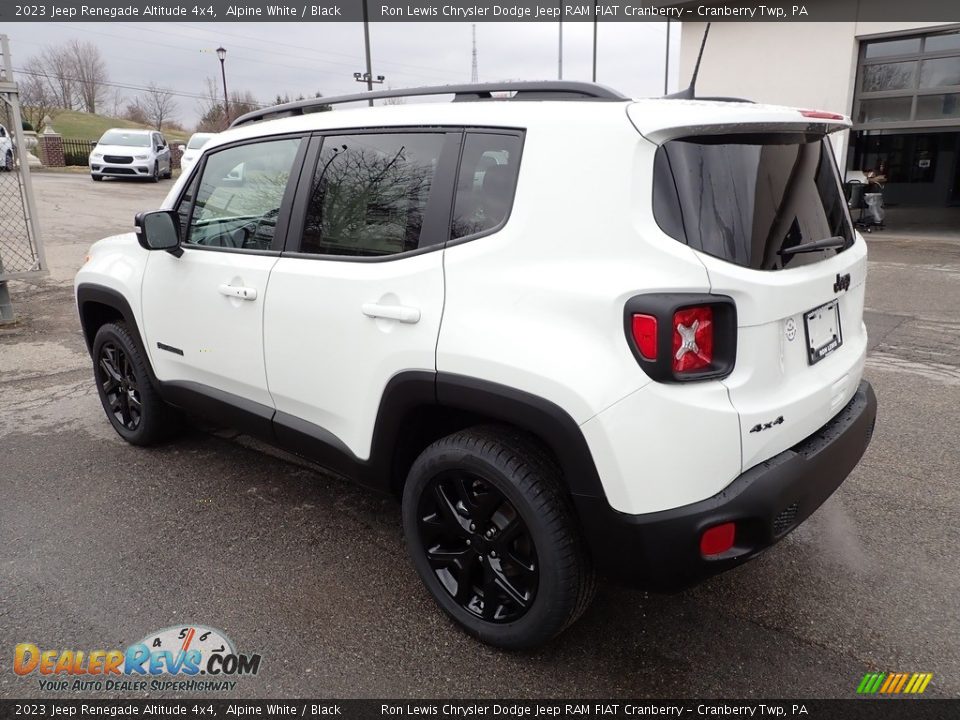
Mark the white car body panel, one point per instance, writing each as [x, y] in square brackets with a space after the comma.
[222, 343]
[328, 363]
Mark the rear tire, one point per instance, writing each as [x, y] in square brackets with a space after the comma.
[129, 399]
[494, 539]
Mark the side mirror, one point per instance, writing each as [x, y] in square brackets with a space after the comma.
[93, 143]
[159, 230]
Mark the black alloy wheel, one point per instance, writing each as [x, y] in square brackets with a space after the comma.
[120, 387]
[478, 546]
[126, 390]
[494, 538]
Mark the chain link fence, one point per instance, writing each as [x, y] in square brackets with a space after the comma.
[21, 253]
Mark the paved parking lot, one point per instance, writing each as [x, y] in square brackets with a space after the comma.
[101, 542]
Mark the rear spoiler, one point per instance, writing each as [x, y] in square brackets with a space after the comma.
[705, 118]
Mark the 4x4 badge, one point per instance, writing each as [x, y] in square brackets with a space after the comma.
[842, 283]
[760, 427]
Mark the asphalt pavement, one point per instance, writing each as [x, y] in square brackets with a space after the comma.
[101, 542]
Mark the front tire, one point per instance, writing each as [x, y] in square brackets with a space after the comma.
[155, 176]
[8, 161]
[97, 178]
[494, 539]
[123, 383]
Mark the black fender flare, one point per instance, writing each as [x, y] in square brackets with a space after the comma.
[92, 293]
[541, 417]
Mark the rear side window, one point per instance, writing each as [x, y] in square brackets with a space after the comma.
[370, 193]
[746, 201]
[486, 183]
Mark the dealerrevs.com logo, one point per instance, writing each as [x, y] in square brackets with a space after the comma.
[194, 658]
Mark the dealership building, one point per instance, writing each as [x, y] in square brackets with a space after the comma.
[899, 82]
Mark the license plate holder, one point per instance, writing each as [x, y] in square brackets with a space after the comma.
[822, 328]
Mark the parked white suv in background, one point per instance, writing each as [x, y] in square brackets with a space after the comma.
[7, 154]
[639, 353]
[191, 151]
[131, 153]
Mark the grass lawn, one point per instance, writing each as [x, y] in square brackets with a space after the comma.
[84, 126]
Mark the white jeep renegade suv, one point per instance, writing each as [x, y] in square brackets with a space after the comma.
[575, 332]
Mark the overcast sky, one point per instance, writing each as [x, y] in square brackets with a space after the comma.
[294, 58]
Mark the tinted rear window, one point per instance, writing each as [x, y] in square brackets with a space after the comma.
[745, 201]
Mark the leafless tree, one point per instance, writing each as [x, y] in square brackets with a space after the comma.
[134, 112]
[394, 100]
[90, 72]
[117, 101]
[212, 116]
[36, 99]
[55, 66]
[158, 105]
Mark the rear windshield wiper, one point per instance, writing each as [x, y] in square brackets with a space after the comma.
[831, 242]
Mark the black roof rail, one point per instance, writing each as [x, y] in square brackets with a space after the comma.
[523, 90]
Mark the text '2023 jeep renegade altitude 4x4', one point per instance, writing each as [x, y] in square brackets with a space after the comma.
[575, 332]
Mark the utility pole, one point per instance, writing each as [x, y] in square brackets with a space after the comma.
[474, 74]
[560, 49]
[594, 40]
[367, 77]
[366, 44]
[666, 63]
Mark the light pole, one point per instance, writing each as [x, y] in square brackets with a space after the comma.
[222, 54]
[594, 40]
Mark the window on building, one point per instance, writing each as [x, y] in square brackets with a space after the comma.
[907, 80]
[900, 157]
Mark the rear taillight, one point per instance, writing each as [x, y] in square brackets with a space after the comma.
[644, 329]
[682, 337]
[692, 339]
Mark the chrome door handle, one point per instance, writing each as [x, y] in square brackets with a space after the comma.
[238, 291]
[401, 313]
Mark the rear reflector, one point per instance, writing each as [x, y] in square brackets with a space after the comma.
[822, 115]
[692, 339]
[718, 539]
[645, 335]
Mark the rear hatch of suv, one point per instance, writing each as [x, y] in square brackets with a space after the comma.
[754, 191]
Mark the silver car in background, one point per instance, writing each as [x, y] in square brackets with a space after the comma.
[191, 151]
[122, 152]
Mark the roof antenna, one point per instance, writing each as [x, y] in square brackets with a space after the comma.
[690, 92]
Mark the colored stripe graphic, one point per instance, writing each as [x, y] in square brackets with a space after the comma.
[894, 683]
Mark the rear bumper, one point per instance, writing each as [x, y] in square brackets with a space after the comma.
[661, 551]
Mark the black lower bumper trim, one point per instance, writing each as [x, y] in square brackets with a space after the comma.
[661, 551]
